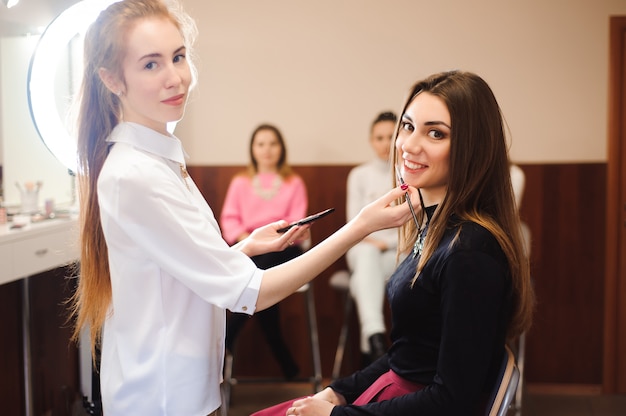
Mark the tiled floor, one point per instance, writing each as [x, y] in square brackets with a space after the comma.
[247, 398]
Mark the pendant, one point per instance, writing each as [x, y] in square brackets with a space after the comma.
[419, 243]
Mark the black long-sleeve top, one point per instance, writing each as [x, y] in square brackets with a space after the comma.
[448, 330]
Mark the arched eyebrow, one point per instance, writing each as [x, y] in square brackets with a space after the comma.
[158, 55]
[437, 123]
[428, 123]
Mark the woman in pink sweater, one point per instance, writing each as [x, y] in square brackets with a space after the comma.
[267, 191]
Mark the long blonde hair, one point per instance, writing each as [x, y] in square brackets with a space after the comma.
[99, 111]
[479, 186]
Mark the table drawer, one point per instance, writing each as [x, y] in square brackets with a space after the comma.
[44, 252]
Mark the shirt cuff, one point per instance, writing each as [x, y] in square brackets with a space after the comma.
[247, 300]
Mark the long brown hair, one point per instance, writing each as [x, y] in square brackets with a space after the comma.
[99, 111]
[479, 185]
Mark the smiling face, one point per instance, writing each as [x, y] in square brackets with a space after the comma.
[156, 74]
[423, 146]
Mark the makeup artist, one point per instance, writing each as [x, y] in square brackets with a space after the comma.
[155, 274]
[464, 288]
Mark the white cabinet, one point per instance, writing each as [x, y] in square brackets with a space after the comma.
[37, 247]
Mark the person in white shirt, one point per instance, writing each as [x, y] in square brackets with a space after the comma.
[155, 275]
[372, 261]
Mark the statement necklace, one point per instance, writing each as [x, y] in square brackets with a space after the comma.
[421, 233]
[419, 242]
[268, 193]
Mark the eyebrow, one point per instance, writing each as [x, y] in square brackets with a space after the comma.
[436, 123]
[157, 55]
[428, 123]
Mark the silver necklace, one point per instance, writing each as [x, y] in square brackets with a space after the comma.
[268, 193]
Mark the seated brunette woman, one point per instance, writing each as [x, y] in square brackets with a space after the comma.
[464, 288]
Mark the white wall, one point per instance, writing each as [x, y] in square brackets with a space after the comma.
[321, 70]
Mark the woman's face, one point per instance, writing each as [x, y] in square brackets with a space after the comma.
[156, 74]
[266, 150]
[423, 146]
[380, 138]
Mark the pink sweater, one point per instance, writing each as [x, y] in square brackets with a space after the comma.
[244, 210]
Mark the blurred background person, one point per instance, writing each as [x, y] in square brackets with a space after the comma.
[267, 191]
[372, 261]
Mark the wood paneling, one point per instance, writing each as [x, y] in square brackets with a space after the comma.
[11, 378]
[54, 360]
[564, 206]
[55, 374]
[615, 286]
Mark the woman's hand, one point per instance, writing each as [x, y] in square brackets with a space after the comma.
[319, 405]
[385, 213]
[266, 239]
[330, 396]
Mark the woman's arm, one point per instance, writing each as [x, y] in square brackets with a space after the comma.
[282, 280]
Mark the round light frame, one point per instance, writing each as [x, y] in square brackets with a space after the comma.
[52, 45]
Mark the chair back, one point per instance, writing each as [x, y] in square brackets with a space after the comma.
[506, 386]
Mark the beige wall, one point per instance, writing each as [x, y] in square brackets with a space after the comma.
[321, 70]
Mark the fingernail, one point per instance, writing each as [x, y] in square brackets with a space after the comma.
[404, 186]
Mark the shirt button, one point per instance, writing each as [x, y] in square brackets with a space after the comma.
[245, 308]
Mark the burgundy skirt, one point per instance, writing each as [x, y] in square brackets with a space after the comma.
[387, 386]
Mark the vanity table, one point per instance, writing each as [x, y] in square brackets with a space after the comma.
[37, 247]
[32, 249]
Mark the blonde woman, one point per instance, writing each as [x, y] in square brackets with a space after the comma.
[156, 277]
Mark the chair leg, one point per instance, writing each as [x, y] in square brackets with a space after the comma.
[227, 384]
[521, 351]
[343, 336]
[314, 336]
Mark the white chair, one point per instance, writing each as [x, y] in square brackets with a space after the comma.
[504, 391]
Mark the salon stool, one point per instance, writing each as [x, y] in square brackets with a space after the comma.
[315, 379]
[519, 347]
[340, 281]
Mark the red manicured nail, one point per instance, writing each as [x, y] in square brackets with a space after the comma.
[404, 186]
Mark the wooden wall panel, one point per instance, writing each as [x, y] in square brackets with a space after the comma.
[54, 360]
[55, 372]
[564, 206]
[11, 373]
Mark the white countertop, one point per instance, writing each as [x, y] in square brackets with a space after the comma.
[37, 247]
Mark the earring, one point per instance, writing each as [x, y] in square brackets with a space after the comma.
[119, 93]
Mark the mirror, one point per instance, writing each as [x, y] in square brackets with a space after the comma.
[50, 92]
[23, 158]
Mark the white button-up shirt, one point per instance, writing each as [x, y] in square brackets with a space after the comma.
[172, 278]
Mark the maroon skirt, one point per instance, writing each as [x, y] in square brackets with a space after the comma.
[387, 386]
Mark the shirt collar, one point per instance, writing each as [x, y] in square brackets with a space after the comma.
[148, 140]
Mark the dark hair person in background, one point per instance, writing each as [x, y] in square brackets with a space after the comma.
[464, 288]
[372, 261]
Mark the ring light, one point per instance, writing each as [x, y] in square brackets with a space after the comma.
[53, 44]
